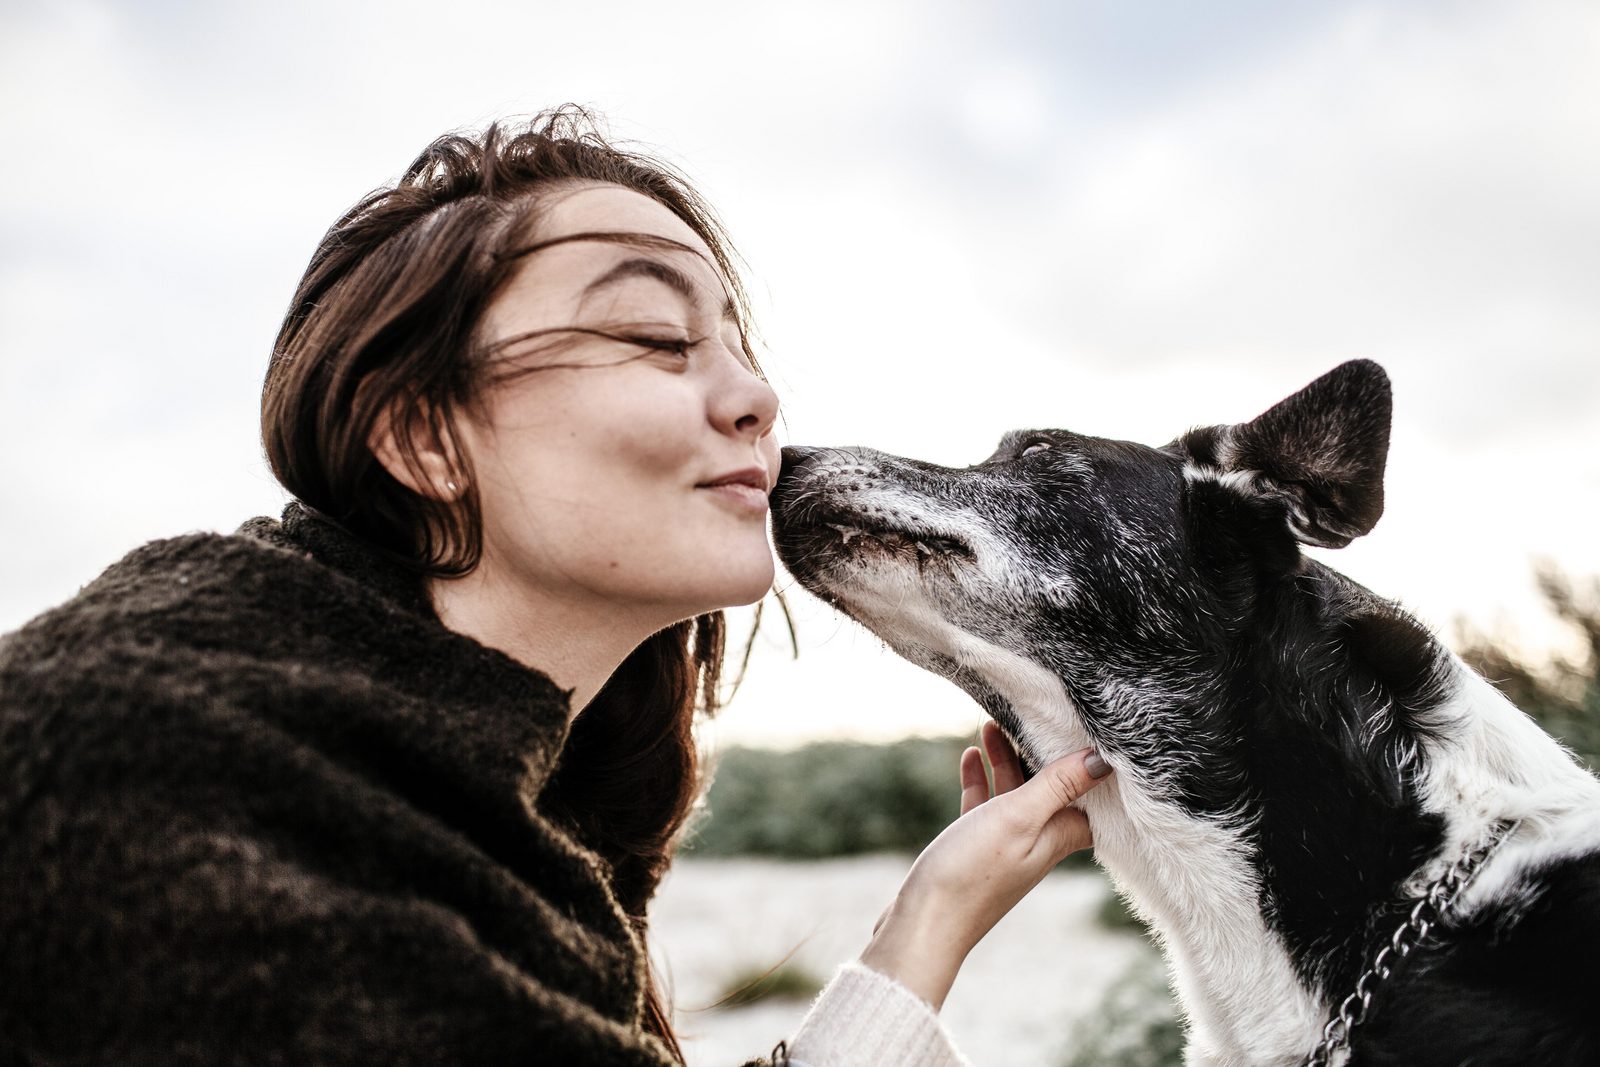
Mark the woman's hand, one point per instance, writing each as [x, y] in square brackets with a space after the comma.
[982, 864]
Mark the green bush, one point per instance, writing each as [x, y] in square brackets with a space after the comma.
[1114, 914]
[831, 798]
[1135, 1025]
[1562, 696]
[787, 981]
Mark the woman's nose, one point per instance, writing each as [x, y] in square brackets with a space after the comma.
[743, 404]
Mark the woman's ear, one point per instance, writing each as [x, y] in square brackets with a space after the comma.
[416, 448]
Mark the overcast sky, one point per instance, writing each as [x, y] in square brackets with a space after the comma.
[1120, 218]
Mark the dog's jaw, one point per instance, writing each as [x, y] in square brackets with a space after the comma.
[1026, 698]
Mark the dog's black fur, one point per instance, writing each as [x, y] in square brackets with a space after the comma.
[1254, 703]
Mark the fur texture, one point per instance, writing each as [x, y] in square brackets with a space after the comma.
[1294, 754]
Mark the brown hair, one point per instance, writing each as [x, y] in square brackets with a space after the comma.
[386, 318]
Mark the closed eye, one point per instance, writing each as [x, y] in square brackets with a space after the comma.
[678, 346]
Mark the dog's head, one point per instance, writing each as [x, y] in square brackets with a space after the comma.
[1103, 577]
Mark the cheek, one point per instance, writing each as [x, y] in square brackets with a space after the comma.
[646, 422]
[653, 445]
[577, 479]
[586, 444]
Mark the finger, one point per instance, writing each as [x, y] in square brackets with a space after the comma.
[974, 786]
[1055, 787]
[1002, 757]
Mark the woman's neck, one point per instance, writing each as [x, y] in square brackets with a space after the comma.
[578, 645]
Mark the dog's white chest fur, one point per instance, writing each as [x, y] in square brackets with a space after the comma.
[1193, 883]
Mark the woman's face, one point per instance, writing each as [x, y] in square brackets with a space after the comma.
[630, 474]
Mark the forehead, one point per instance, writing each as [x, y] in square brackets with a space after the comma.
[551, 281]
[591, 207]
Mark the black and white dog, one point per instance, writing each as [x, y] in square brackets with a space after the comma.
[1298, 761]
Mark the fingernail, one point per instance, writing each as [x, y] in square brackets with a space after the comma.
[1096, 765]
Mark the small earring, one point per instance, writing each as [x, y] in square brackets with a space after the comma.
[450, 486]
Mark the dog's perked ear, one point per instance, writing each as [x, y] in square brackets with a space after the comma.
[1321, 453]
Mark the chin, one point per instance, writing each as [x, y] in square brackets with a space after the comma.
[709, 575]
[735, 586]
[749, 597]
[757, 585]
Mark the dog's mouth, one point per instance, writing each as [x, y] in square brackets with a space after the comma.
[822, 520]
[859, 536]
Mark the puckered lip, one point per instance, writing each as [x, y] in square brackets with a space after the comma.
[754, 477]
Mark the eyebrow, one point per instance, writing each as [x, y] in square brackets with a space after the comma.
[666, 273]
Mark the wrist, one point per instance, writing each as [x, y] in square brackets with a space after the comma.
[917, 951]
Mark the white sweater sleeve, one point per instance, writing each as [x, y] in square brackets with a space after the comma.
[866, 1019]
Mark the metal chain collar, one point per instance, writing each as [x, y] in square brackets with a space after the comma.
[1429, 910]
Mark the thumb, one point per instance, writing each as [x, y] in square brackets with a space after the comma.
[1059, 784]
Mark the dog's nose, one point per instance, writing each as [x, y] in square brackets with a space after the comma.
[795, 458]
